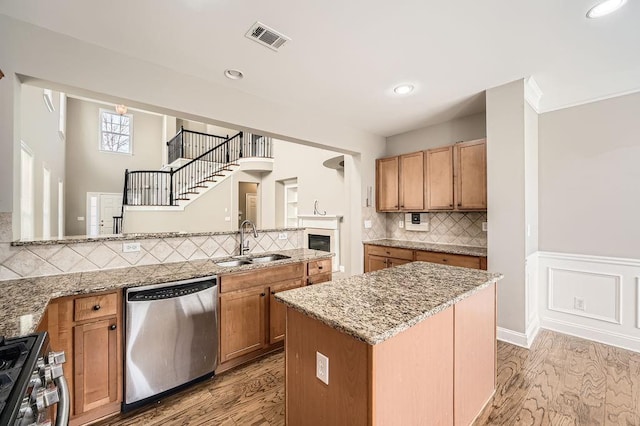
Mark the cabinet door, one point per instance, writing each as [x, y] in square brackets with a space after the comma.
[242, 322]
[471, 175]
[96, 364]
[439, 171]
[412, 181]
[278, 311]
[387, 184]
[375, 263]
[449, 259]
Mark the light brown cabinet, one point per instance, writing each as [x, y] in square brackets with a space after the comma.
[319, 271]
[242, 322]
[387, 184]
[277, 311]
[251, 321]
[400, 183]
[471, 175]
[380, 257]
[88, 329]
[439, 178]
[450, 178]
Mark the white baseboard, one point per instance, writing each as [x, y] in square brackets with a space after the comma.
[516, 338]
[590, 333]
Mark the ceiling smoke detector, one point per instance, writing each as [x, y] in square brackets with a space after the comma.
[260, 33]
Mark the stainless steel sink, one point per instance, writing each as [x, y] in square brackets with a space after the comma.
[230, 263]
[269, 258]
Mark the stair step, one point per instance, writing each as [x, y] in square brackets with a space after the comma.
[182, 199]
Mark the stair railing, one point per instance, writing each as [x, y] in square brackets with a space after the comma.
[166, 188]
[191, 144]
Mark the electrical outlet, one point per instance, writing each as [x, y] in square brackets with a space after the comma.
[578, 303]
[130, 247]
[227, 218]
[367, 224]
[322, 368]
[282, 236]
[401, 224]
[485, 226]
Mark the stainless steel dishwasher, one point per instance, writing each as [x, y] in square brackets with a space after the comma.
[171, 338]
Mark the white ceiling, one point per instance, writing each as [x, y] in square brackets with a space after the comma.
[346, 56]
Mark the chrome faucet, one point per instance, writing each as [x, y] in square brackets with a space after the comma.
[244, 244]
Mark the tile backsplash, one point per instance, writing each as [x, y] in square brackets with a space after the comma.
[444, 227]
[52, 259]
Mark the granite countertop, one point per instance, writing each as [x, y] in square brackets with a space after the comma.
[376, 306]
[132, 237]
[438, 247]
[30, 296]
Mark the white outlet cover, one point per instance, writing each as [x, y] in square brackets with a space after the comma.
[401, 224]
[322, 368]
[485, 226]
[282, 236]
[130, 247]
[367, 224]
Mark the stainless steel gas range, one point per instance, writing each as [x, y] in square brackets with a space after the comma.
[33, 390]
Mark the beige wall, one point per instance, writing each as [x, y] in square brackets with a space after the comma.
[506, 200]
[92, 170]
[589, 178]
[39, 130]
[461, 129]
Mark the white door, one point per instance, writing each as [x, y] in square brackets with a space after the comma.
[252, 207]
[110, 206]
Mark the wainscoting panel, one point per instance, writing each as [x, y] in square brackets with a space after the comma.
[593, 297]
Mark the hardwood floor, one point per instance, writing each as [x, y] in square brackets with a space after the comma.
[562, 380]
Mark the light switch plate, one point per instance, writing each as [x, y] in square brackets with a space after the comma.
[322, 368]
[485, 226]
[401, 224]
[367, 224]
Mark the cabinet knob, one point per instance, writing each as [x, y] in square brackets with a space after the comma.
[402, 205]
[263, 294]
[459, 204]
[273, 292]
[450, 205]
[320, 267]
[310, 282]
[113, 327]
[96, 307]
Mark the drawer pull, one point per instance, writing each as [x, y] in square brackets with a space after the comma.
[96, 307]
[112, 327]
[320, 267]
[273, 292]
[263, 294]
[310, 282]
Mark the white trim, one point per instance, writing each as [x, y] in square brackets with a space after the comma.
[153, 208]
[597, 335]
[590, 258]
[524, 340]
[588, 101]
[637, 302]
[532, 93]
[618, 283]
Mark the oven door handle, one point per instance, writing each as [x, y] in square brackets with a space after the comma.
[62, 413]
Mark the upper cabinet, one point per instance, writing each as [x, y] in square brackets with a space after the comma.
[400, 183]
[470, 159]
[448, 178]
[387, 184]
[439, 178]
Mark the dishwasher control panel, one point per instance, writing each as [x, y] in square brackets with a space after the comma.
[170, 291]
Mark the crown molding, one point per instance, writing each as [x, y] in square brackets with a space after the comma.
[532, 93]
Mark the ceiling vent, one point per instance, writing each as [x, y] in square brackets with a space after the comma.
[266, 36]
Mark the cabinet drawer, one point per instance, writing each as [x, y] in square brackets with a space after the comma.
[398, 253]
[319, 267]
[449, 259]
[319, 278]
[260, 277]
[96, 306]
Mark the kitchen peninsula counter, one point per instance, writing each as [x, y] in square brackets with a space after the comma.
[26, 299]
[393, 339]
[434, 247]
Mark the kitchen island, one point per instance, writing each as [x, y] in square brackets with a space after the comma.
[410, 345]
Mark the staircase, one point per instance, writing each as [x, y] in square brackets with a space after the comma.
[202, 160]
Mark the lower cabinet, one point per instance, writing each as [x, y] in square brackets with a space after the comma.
[319, 271]
[95, 353]
[278, 312]
[88, 329]
[380, 257]
[242, 322]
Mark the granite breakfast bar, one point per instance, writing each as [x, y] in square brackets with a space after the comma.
[414, 344]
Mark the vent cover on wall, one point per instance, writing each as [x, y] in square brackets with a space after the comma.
[266, 36]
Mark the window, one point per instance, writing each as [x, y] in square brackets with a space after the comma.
[116, 132]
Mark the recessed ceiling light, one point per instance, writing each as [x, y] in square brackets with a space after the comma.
[403, 89]
[604, 8]
[233, 74]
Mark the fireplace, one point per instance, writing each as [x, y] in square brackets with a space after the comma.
[319, 242]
